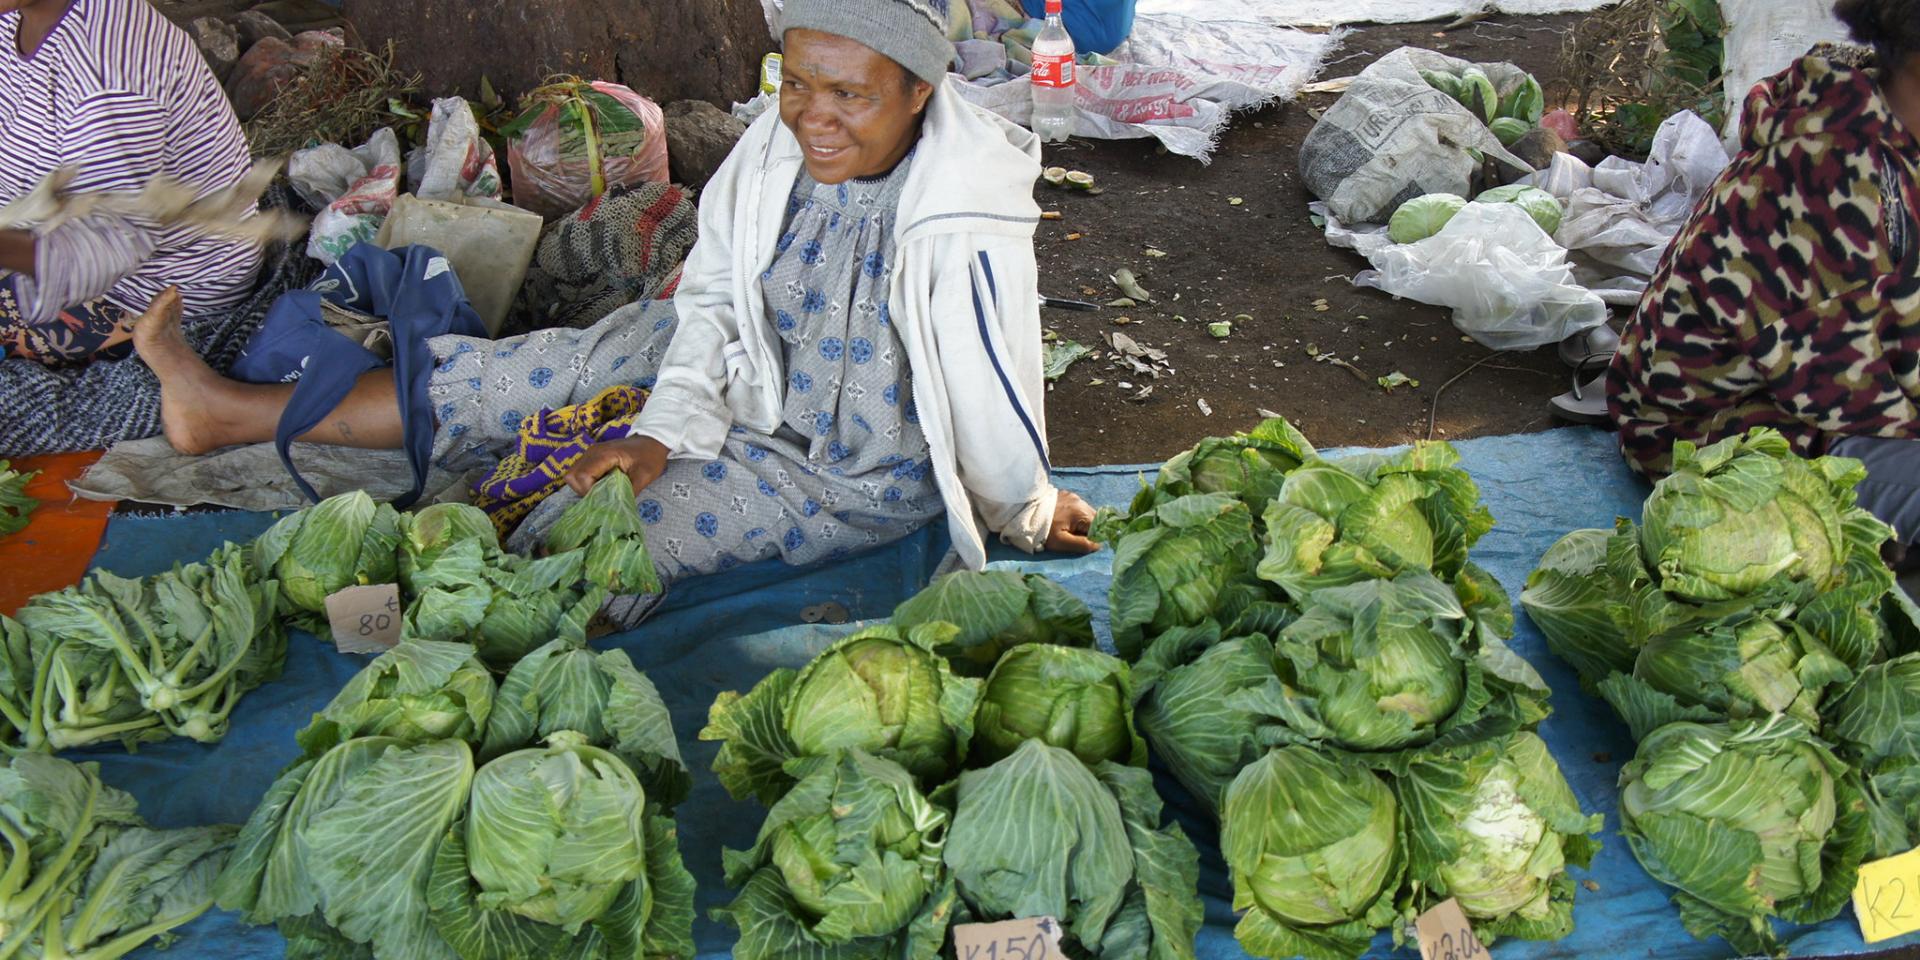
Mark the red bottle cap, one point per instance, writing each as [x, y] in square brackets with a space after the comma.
[1053, 8]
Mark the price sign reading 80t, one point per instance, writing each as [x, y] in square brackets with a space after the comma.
[365, 619]
[1445, 934]
[1032, 938]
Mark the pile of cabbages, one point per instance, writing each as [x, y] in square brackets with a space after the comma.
[1749, 633]
[1300, 641]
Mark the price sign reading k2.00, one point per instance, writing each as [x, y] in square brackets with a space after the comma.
[365, 619]
[1032, 938]
[1445, 934]
[1886, 898]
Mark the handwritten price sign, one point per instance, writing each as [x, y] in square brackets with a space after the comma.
[1886, 898]
[1445, 934]
[1032, 938]
[365, 619]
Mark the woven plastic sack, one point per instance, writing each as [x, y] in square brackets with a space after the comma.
[552, 184]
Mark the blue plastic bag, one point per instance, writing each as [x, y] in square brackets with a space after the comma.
[1097, 26]
[415, 290]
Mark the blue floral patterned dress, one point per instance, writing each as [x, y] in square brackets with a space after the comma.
[847, 469]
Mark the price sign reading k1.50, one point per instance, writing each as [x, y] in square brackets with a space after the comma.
[1032, 938]
[365, 619]
[1445, 934]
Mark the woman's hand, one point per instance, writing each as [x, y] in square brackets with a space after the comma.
[643, 458]
[1072, 518]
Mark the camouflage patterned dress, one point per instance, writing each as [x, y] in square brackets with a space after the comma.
[1792, 299]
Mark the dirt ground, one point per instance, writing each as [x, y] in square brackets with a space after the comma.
[1264, 258]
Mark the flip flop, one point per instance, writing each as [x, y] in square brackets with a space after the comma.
[1587, 401]
[1598, 341]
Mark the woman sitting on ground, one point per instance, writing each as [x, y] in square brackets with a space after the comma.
[1792, 299]
[854, 347]
[116, 93]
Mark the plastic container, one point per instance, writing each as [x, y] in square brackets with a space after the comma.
[1053, 79]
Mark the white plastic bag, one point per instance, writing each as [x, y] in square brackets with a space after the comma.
[356, 188]
[1624, 214]
[1392, 137]
[1509, 284]
[455, 161]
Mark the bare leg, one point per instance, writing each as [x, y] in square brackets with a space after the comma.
[203, 411]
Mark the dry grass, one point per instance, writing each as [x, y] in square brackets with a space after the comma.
[342, 97]
[1619, 58]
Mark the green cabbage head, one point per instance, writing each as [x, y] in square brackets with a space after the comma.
[555, 833]
[419, 691]
[1494, 824]
[1382, 665]
[1078, 700]
[1737, 514]
[606, 524]
[1748, 821]
[430, 530]
[1570, 598]
[1041, 834]
[1250, 466]
[1181, 563]
[1542, 206]
[1741, 668]
[1875, 725]
[852, 852]
[1314, 849]
[996, 611]
[882, 690]
[1422, 217]
[1372, 516]
[1190, 684]
[339, 542]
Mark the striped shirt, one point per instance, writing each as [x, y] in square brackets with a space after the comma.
[121, 94]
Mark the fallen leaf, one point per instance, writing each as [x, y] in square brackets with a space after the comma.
[1073, 236]
[1124, 385]
[1220, 329]
[1123, 302]
[1234, 201]
[1153, 252]
[1144, 393]
[1397, 379]
[1060, 355]
[1052, 215]
[1124, 279]
[1122, 321]
[1205, 411]
[1096, 382]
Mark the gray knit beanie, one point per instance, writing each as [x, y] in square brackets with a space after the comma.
[911, 33]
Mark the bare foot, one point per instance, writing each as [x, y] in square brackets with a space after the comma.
[188, 387]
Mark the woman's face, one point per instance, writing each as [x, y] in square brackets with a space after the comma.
[855, 112]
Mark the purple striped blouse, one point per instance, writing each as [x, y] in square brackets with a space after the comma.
[121, 94]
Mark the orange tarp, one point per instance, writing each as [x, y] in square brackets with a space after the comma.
[61, 536]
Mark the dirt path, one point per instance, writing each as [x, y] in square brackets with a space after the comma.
[1264, 258]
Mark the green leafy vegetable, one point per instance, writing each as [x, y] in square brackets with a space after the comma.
[419, 691]
[429, 531]
[1193, 709]
[847, 863]
[1542, 206]
[1314, 849]
[1039, 834]
[995, 611]
[1078, 700]
[1422, 217]
[143, 659]
[606, 523]
[339, 542]
[1373, 516]
[1250, 465]
[1749, 821]
[1181, 563]
[14, 502]
[565, 686]
[1494, 824]
[503, 604]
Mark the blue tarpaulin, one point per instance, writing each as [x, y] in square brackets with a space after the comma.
[725, 632]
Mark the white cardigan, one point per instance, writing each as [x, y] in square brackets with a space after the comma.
[964, 299]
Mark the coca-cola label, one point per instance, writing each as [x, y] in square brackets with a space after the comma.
[1052, 71]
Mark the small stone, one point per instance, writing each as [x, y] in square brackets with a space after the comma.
[1074, 236]
[1220, 329]
[219, 43]
[252, 26]
[699, 137]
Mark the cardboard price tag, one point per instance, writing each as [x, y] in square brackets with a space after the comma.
[1031, 938]
[1886, 898]
[365, 619]
[1445, 934]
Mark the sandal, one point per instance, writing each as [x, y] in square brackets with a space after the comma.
[1587, 402]
[1582, 347]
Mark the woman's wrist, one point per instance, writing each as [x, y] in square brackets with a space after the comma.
[17, 249]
